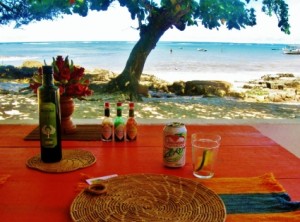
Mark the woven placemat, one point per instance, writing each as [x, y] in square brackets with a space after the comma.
[149, 197]
[71, 160]
[83, 132]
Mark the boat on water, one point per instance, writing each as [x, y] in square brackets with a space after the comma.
[201, 50]
[291, 50]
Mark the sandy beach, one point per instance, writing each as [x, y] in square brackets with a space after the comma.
[18, 107]
[24, 107]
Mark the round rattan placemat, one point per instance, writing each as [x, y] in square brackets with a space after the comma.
[71, 160]
[149, 197]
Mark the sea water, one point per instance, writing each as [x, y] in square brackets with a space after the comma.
[171, 61]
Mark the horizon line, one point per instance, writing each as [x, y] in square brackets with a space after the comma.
[133, 41]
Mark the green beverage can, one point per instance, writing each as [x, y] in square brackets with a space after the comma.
[174, 140]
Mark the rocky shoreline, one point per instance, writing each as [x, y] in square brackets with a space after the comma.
[278, 88]
[270, 97]
[275, 88]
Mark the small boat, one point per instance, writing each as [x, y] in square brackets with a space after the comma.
[201, 50]
[291, 50]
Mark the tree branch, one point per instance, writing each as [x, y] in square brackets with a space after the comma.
[6, 7]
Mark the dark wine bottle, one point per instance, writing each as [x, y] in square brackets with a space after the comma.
[49, 118]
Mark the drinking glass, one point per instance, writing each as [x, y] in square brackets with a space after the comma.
[205, 149]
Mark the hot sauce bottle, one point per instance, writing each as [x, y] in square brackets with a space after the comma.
[107, 124]
[119, 125]
[131, 125]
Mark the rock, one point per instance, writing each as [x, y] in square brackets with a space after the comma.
[280, 87]
[270, 85]
[277, 98]
[275, 85]
[12, 72]
[248, 86]
[207, 88]
[100, 75]
[178, 88]
[4, 91]
[290, 95]
[160, 94]
[269, 77]
[237, 94]
[293, 84]
[143, 90]
[32, 64]
[154, 83]
[286, 75]
[260, 99]
[273, 77]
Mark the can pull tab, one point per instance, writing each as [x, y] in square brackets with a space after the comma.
[97, 189]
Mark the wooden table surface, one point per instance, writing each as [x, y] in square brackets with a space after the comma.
[31, 195]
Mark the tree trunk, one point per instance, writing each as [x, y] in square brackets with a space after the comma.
[128, 80]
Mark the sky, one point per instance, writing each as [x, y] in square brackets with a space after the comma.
[116, 25]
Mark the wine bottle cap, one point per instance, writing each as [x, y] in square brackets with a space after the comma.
[119, 104]
[47, 69]
[47, 75]
[106, 104]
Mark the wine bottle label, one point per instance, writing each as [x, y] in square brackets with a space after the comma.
[106, 131]
[48, 125]
[119, 131]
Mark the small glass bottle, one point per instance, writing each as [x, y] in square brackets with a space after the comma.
[119, 125]
[49, 118]
[131, 124]
[107, 124]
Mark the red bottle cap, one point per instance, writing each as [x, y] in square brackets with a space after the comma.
[131, 105]
[106, 104]
[119, 104]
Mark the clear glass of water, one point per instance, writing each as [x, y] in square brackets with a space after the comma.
[205, 149]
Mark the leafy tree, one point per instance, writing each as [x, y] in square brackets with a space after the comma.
[154, 19]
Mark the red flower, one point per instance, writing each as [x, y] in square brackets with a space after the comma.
[62, 70]
[77, 73]
[78, 89]
[69, 78]
[60, 62]
[34, 86]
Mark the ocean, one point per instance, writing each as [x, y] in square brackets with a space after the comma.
[171, 61]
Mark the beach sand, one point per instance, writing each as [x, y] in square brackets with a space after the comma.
[23, 106]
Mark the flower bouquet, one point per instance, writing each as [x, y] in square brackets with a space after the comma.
[68, 77]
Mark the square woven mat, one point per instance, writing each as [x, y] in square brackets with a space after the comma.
[83, 132]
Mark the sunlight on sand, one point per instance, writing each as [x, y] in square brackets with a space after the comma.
[25, 107]
[13, 112]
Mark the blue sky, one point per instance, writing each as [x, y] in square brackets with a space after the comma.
[115, 24]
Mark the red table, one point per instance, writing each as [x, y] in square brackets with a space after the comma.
[31, 195]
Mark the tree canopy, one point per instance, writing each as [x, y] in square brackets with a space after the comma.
[154, 18]
[211, 13]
